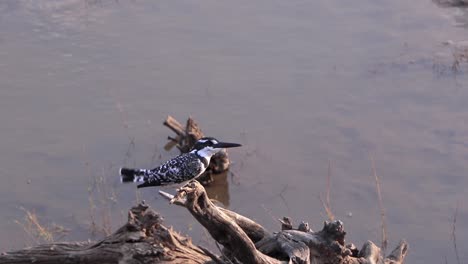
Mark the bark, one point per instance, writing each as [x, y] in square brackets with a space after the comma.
[143, 239]
[245, 241]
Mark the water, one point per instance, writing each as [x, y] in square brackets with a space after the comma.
[85, 86]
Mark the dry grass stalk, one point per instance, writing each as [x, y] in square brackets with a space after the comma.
[460, 56]
[283, 198]
[101, 197]
[381, 207]
[39, 233]
[327, 208]
[454, 237]
[326, 204]
[269, 212]
[92, 212]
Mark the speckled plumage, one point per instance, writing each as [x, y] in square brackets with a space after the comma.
[179, 169]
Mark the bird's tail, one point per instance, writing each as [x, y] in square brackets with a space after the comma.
[132, 175]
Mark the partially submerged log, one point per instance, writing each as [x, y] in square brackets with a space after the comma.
[185, 139]
[247, 242]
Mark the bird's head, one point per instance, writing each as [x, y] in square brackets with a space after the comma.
[206, 147]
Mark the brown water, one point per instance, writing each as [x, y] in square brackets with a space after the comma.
[85, 86]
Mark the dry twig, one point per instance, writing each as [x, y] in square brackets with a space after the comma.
[381, 207]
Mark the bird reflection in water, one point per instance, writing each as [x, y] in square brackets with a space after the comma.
[218, 189]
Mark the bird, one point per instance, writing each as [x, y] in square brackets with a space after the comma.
[182, 168]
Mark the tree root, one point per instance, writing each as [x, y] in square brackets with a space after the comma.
[144, 239]
[247, 242]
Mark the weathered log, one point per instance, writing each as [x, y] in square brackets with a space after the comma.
[253, 230]
[184, 141]
[221, 227]
[291, 246]
[143, 239]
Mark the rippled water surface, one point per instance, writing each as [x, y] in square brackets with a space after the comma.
[85, 86]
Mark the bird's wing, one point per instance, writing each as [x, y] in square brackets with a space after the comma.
[176, 170]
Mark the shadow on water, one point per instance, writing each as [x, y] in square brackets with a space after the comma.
[219, 188]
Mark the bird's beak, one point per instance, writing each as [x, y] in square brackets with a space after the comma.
[226, 145]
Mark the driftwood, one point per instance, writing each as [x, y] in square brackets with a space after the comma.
[185, 139]
[144, 239]
[245, 241]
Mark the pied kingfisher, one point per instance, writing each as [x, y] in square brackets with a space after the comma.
[182, 168]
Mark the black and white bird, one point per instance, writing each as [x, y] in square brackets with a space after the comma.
[182, 168]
